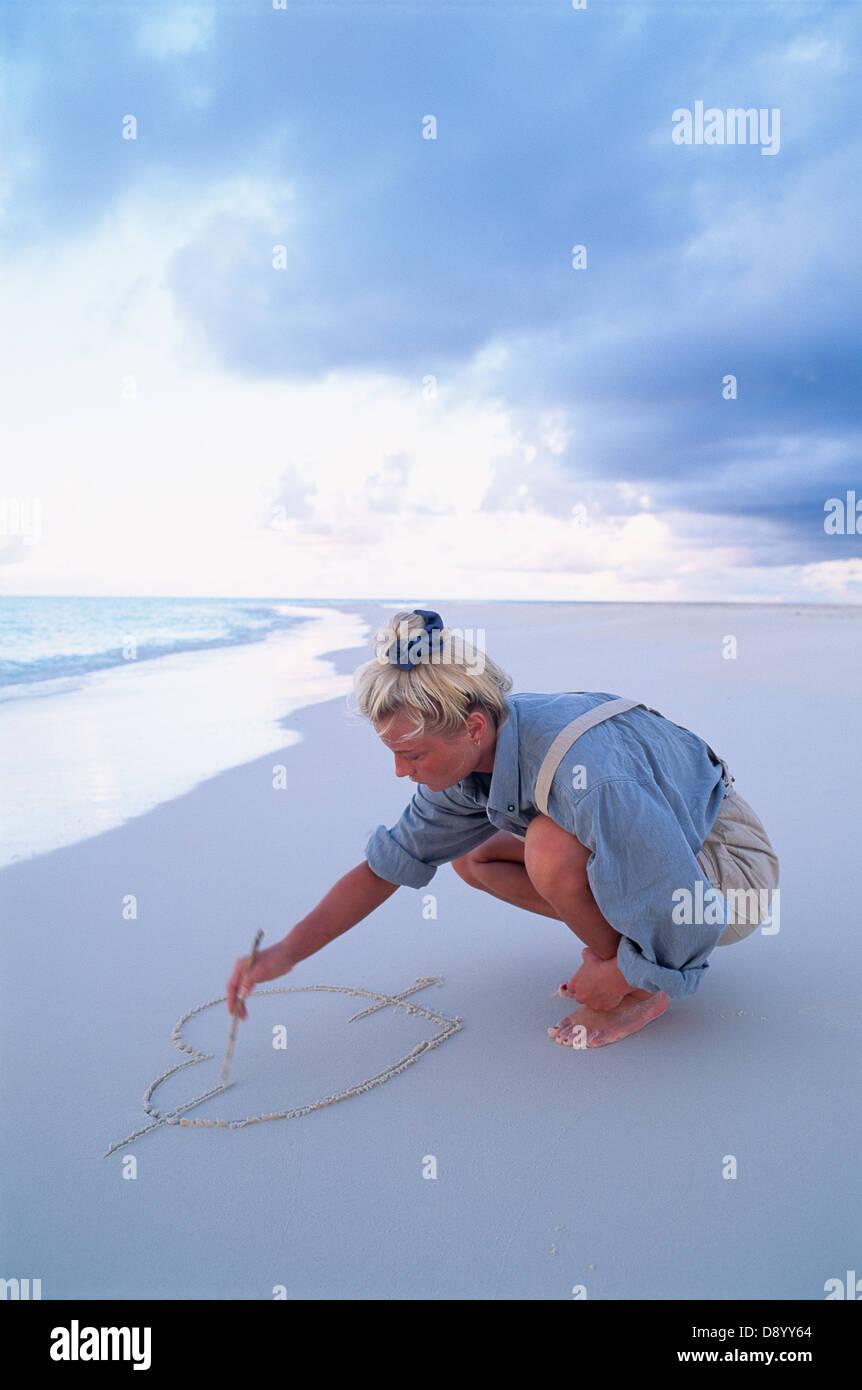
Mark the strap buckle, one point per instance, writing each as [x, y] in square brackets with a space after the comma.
[726, 775]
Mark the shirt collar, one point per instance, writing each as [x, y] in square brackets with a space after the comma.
[505, 791]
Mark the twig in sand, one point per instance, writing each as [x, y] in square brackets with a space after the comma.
[251, 960]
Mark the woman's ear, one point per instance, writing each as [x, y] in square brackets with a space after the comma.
[477, 724]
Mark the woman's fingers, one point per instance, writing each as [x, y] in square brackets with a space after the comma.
[235, 995]
[268, 965]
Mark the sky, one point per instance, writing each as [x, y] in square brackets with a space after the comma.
[292, 306]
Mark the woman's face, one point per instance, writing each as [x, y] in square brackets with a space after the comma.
[437, 762]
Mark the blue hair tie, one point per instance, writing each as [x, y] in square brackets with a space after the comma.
[407, 655]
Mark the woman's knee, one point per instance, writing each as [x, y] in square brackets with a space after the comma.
[554, 858]
[501, 847]
[464, 868]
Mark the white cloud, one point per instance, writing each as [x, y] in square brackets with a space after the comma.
[179, 29]
[826, 54]
[381, 488]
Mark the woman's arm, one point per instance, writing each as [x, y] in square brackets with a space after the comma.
[349, 900]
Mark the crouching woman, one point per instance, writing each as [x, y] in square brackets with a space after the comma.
[581, 806]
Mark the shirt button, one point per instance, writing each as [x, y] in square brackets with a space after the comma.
[510, 808]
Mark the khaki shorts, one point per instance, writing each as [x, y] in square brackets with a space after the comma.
[739, 861]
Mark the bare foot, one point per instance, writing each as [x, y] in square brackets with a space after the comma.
[588, 1027]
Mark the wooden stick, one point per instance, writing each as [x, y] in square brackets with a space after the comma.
[251, 960]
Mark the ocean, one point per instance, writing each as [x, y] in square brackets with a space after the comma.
[43, 640]
[110, 706]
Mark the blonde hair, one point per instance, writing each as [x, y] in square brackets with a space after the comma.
[448, 683]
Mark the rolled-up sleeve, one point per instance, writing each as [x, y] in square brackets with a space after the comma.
[640, 868]
[435, 828]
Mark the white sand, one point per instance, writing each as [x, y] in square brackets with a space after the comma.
[555, 1167]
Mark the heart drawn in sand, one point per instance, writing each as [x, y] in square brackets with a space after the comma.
[447, 1026]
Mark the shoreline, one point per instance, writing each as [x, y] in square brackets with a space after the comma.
[78, 760]
[327, 677]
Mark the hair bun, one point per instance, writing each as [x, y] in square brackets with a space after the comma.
[407, 654]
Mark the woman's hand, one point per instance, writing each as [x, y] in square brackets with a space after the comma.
[271, 963]
[599, 983]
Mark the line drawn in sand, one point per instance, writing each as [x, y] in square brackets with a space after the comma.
[176, 1116]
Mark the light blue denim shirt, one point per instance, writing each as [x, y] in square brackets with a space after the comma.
[638, 791]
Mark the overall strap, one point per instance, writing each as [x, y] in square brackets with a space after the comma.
[567, 736]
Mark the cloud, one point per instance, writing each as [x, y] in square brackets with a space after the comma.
[420, 384]
[175, 30]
